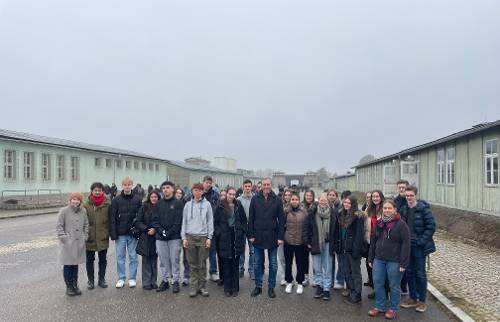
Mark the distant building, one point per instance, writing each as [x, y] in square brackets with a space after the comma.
[225, 163]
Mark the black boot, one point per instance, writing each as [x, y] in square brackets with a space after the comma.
[256, 292]
[74, 281]
[102, 274]
[271, 293]
[319, 292]
[90, 284]
[69, 288]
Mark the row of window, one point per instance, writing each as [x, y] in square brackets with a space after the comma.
[29, 166]
[446, 164]
[98, 162]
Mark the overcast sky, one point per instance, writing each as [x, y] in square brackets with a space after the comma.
[290, 85]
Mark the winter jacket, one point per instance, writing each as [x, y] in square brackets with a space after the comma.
[168, 219]
[400, 203]
[146, 246]
[245, 202]
[212, 196]
[197, 219]
[124, 210]
[423, 224]
[353, 241]
[297, 222]
[72, 231]
[98, 217]
[313, 230]
[391, 242]
[230, 241]
[266, 222]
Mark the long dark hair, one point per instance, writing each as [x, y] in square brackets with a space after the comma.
[372, 207]
[306, 204]
[225, 203]
[354, 204]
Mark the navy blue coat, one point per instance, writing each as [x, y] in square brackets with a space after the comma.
[266, 222]
[424, 226]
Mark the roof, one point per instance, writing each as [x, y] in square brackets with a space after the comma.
[475, 129]
[345, 175]
[33, 138]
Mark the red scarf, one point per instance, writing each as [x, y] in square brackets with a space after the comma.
[98, 200]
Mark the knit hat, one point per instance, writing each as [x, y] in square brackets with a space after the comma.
[76, 195]
[198, 186]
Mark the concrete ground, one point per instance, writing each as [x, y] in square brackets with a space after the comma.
[32, 289]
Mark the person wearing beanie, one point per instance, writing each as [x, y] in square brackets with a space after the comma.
[196, 233]
[98, 208]
[72, 230]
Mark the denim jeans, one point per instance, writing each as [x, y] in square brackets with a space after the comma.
[416, 275]
[337, 274]
[322, 264]
[70, 272]
[251, 258]
[381, 271]
[126, 243]
[212, 259]
[273, 266]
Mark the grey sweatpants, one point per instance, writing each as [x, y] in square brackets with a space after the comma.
[169, 252]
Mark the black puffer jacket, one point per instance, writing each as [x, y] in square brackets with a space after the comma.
[266, 221]
[147, 244]
[168, 219]
[124, 210]
[353, 240]
[230, 241]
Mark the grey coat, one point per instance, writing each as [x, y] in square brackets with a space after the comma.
[72, 231]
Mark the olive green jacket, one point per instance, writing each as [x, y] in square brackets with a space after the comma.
[98, 225]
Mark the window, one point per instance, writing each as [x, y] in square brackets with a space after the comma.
[108, 163]
[128, 164]
[143, 164]
[440, 166]
[136, 165]
[118, 164]
[60, 167]
[157, 167]
[75, 168]
[9, 164]
[450, 165]
[491, 161]
[29, 173]
[150, 167]
[46, 166]
[98, 162]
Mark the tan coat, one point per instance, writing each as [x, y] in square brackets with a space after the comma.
[72, 231]
[296, 226]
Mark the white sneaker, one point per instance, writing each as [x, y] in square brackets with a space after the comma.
[283, 283]
[289, 287]
[132, 283]
[300, 289]
[214, 277]
[338, 286]
[120, 283]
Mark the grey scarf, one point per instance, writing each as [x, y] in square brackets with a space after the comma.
[323, 223]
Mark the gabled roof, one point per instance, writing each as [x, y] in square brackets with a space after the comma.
[33, 138]
[475, 129]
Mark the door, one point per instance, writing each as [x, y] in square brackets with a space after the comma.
[409, 172]
[390, 179]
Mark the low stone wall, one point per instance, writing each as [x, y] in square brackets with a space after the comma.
[482, 228]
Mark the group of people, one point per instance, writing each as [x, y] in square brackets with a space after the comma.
[394, 235]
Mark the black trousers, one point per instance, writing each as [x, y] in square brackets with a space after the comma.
[231, 269]
[70, 272]
[149, 270]
[301, 261]
[369, 270]
[102, 263]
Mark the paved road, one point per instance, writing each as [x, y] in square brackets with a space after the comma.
[32, 289]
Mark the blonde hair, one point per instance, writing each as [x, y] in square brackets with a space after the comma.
[127, 179]
[323, 195]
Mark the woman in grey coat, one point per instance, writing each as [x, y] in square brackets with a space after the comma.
[72, 231]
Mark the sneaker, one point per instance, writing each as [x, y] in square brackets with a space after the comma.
[256, 292]
[409, 303]
[326, 296]
[90, 285]
[102, 283]
[421, 307]
[300, 289]
[154, 286]
[390, 315]
[252, 276]
[352, 300]
[288, 288]
[163, 287]
[185, 282]
[375, 312]
[271, 293]
[283, 283]
[338, 286]
[318, 293]
[175, 287]
[120, 283]
[371, 296]
[203, 292]
[306, 281]
[193, 292]
[214, 277]
[345, 292]
[132, 283]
